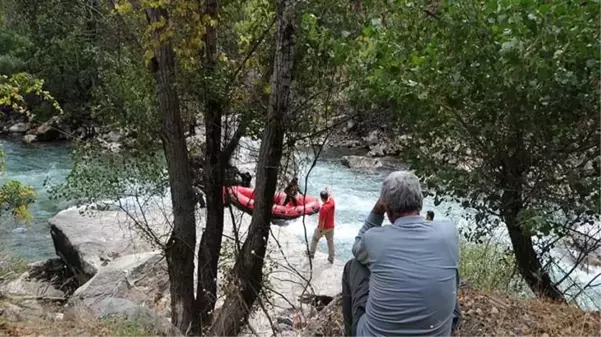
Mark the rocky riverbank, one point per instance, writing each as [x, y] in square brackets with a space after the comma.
[110, 265]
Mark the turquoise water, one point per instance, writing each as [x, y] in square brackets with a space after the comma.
[33, 165]
[355, 194]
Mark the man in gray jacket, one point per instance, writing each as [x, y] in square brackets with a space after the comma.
[404, 277]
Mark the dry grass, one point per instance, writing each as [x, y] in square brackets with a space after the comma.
[502, 315]
[486, 314]
[67, 327]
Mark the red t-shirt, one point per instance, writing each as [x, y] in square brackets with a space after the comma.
[326, 213]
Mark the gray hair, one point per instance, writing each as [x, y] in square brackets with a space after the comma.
[401, 192]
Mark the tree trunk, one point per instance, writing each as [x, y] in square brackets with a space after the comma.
[179, 250]
[527, 260]
[248, 270]
[210, 243]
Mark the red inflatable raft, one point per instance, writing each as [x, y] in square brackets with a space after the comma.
[243, 198]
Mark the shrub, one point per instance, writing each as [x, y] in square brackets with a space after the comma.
[490, 267]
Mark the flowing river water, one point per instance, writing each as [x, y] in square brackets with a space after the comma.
[355, 194]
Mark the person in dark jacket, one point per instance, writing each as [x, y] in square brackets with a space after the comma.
[291, 192]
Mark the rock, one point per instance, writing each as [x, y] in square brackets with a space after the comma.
[49, 130]
[112, 307]
[15, 310]
[373, 138]
[114, 136]
[140, 278]
[109, 146]
[377, 150]
[86, 242]
[111, 260]
[45, 279]
[28, 139]
[361, 163]
[24, 285]
[19, 128]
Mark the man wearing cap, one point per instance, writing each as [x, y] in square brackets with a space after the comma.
[325, 226]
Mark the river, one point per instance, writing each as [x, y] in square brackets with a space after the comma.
[355, 193]
[46, 164]
[34, 166]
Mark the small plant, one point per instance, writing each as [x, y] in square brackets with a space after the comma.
[11, 266]
[123, 327]
[490, 267]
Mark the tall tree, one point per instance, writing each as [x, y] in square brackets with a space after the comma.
[248, 270]
[500, 100]
[180, 248]
[210, 244]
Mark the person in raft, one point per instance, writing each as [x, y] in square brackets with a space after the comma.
[325, 226]
[429, 216]
[291, 191]
[403, 280]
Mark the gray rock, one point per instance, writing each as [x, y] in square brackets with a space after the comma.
[377, 150]
[18, 310]
[19, 128]
[28, 139]
[25, 285]
[361, 163]
[114, 136]
[152, 322]
[48, 131]
[44, 279]
[86, 242]
[373, 138]
[140, 278]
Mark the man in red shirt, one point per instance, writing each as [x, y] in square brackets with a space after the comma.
[325, 227]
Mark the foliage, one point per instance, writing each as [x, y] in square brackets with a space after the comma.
[476, 86]
[500, 100]
[11, 266]
[125, 97]
[14, 49]
[97, 175]
[65, 49]
[126, 327]
[490, 267]
[18, 91]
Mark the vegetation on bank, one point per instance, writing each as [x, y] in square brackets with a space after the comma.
[75, 327]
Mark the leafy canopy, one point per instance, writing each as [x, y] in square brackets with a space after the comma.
[497, 97]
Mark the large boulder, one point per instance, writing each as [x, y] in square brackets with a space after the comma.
[49, 131]
[139, 278]
[88, 240]
[28, 139]
[361, 163]
[111, 260]
[19, 128]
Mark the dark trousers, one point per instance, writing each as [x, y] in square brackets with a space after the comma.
[355, 290]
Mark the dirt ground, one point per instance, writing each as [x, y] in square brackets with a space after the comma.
[496, 315]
